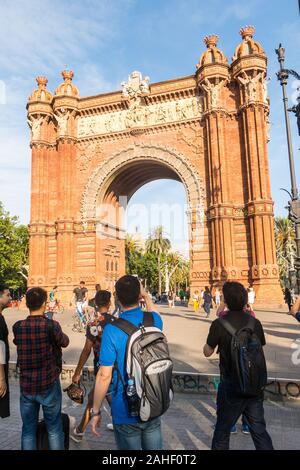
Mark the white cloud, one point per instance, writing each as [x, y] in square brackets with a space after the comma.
[43, 37]
[15, 172]
[47, 34]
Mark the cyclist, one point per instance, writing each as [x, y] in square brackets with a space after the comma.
[81, 301]
[53, 298]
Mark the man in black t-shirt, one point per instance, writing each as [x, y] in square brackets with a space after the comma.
[81, 301]
[230, 406]
[93, 335]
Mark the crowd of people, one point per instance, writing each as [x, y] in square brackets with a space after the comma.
[206, 299]
[120, 334]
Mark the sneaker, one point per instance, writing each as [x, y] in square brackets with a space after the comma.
[74, 434]
[233, 430]
[110, 426]
[245, 429]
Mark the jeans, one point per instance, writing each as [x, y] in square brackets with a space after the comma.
[229, 409]
[206, 307]
[50, 401]
[79, 311]
[139, 436]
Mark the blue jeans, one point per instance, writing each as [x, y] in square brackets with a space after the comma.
[139, 436]
[50, 401]
[79, 311]
[229, 409]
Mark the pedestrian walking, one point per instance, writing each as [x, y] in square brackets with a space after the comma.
[94, 333]
[207, 300]
[240, 391]
[5, 299]
[39, 342]
[131, 432]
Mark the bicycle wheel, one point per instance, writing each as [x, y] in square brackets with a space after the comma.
[75, 326]
[60, 309]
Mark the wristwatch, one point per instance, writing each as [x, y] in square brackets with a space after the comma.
[92, 413]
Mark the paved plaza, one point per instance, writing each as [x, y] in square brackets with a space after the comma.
[187, 333]
[188, 425]
[189, 422]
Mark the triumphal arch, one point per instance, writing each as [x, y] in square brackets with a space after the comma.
[208, 130]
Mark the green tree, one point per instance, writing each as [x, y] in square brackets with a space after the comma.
[142, 263]
[285, 246]
[159, 246]
[14, 242]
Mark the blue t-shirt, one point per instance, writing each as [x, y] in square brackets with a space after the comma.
[298, 316]
[113, 349]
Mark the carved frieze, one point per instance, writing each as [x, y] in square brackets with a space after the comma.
[139, 115]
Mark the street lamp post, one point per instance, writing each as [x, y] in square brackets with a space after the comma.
[294, 204]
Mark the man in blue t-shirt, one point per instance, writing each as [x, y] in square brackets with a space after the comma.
[130, 432]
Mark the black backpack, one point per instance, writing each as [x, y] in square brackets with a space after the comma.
[42, 442]
[248, 364]
[148, 361]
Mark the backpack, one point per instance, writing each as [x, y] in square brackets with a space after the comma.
[249, 371]
[42, 442]
[148, 361]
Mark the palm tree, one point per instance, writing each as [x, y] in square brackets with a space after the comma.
[172, 264]
[131, 250]
[130, 244]
[160, 246]
[285, 245]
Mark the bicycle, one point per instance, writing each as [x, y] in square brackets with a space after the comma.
[81, 318]
[57, 308]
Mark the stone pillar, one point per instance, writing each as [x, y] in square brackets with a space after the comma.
[212, 78]
[253, 111]
[39, 217]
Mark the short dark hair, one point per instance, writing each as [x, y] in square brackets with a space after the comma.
[235, 295]
[98, 287]
[128, 290]
[102, 298]
[3, 287]
[35, 297]
[82, 282]
[55, 287]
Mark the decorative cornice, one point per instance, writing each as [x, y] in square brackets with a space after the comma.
[37, 144]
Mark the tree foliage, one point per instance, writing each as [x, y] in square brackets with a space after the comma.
[156, 265]
[158, 245]
[14, 242]
[285, 246]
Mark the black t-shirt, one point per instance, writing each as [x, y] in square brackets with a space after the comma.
[80, 293]
[220, 337]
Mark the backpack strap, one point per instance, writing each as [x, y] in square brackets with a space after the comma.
[228, 327]
[148, 319]
[233, 331]
[125, 326]
[251, 323]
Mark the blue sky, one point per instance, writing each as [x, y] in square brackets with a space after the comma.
[103, 41]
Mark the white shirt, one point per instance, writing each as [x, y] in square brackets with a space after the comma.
[251, 297]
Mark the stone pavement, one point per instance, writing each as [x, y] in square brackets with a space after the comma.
[188, 425]
[187, 333]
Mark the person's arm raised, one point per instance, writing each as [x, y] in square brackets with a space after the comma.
[150, 306]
